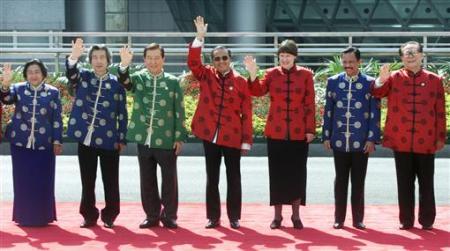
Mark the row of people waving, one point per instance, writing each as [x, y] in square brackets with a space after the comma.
[415, 130]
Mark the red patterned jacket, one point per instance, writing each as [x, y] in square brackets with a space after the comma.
[415, 119]
[224, 105]
[292, 102]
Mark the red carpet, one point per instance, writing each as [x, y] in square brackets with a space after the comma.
[254, 234]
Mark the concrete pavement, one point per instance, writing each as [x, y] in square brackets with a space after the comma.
[380, 181]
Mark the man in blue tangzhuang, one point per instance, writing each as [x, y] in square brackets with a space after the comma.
[98, 123]
[351, 128]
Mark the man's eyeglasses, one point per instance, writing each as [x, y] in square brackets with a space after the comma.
[223, 58]
[410, 53]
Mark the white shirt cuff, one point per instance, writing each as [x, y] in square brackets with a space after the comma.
[71, 62]
[197, 43]
[122, 69]
[246, 146]
[378, 83]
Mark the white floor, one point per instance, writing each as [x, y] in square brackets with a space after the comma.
[380, 181]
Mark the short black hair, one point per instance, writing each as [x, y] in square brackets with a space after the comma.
[288, 46]
[353, 50]
[154, 46]
[419, 45]
[220, 47]
[37, 62]
[99, 47]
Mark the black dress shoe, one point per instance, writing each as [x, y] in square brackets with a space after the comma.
[88, 223]
[212, 224]
[427, 227]
[276, 223]
[297, 223]
[235, 224]
[359, 225]
[108, 224]
[169, 223]
[338, 225]
[405, 226]
[148, 223]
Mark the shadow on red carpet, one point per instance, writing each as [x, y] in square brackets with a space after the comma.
[382, 232]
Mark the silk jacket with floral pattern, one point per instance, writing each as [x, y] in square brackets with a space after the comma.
[99, 116]
[36, 123]
[415, 120]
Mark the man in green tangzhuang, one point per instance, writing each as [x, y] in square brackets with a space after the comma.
[157, 126]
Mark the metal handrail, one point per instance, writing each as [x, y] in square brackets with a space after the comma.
[54, 49]
[227, 34]
[262, 51]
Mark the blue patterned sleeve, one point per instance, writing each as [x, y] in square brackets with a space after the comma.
[57, 118]
[9, 96]
[122, 115]
[374, 120]
[73, 75]
[327, 128]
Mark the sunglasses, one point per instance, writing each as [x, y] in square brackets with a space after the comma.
[224, 58]
[410, 53]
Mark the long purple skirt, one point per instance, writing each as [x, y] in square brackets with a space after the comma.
[34, 186]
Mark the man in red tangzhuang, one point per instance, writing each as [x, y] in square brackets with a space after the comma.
[223, 120]
[415, 129]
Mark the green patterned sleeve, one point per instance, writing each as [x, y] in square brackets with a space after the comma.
[135, 79]
[180, 128]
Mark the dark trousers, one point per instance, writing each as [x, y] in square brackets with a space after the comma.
[409, 166]
[109, 164]
[355, 165]
[149, 158]
[213, 157]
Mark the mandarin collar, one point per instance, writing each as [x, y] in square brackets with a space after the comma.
[225, 75]
[291, 70]
[412, 74]
[157, 76]
[103, 77]
[37, 88]
[351, 79]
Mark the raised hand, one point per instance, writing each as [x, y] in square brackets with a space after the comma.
[77, 49]
[201, 27]
[250, 65]
[126, 56]
[384, 73]
[7, 76]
